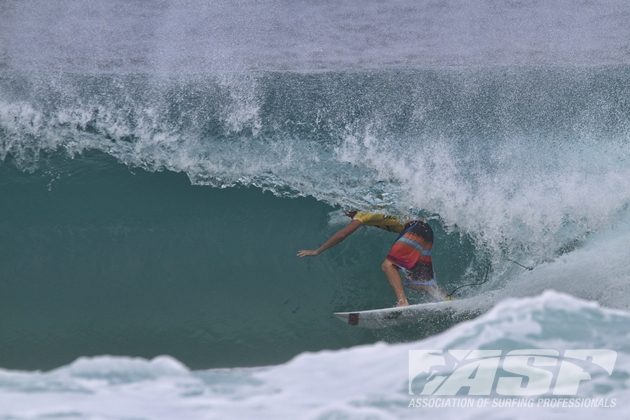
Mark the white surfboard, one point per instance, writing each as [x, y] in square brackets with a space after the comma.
[422, 312]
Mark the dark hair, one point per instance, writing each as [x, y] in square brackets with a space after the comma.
[351, 213]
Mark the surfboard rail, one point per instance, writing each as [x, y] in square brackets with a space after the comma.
[388, 317]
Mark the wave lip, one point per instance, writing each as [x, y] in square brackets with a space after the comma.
[525, 160]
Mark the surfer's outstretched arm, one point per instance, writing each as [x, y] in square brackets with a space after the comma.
[335, 239]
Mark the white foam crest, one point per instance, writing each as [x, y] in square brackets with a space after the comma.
[111, 368]
[244, 109]
[532, 195]
[21, 117]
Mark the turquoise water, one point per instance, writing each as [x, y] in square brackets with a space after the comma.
[108, 260]
[161, 163]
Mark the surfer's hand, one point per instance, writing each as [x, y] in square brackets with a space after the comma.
[308, 253]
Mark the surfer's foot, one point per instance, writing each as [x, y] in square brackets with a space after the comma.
[402, 302]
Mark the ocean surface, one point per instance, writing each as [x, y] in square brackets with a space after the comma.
[161, 163]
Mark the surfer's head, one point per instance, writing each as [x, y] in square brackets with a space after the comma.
[351, 213]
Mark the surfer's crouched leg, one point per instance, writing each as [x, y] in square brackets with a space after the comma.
[393, 276]
[422, 280]
[432, 290]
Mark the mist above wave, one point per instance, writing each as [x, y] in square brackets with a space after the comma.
[194, 36]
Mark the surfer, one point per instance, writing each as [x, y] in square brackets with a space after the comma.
[409, 256]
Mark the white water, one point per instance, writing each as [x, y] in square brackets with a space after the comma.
[362, 382]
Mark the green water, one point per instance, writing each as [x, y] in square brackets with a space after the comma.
[103, 260]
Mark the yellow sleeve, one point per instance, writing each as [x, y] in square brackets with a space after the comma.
[378, 220]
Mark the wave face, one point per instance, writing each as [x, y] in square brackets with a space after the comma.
[512, 138]
[325, 384]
